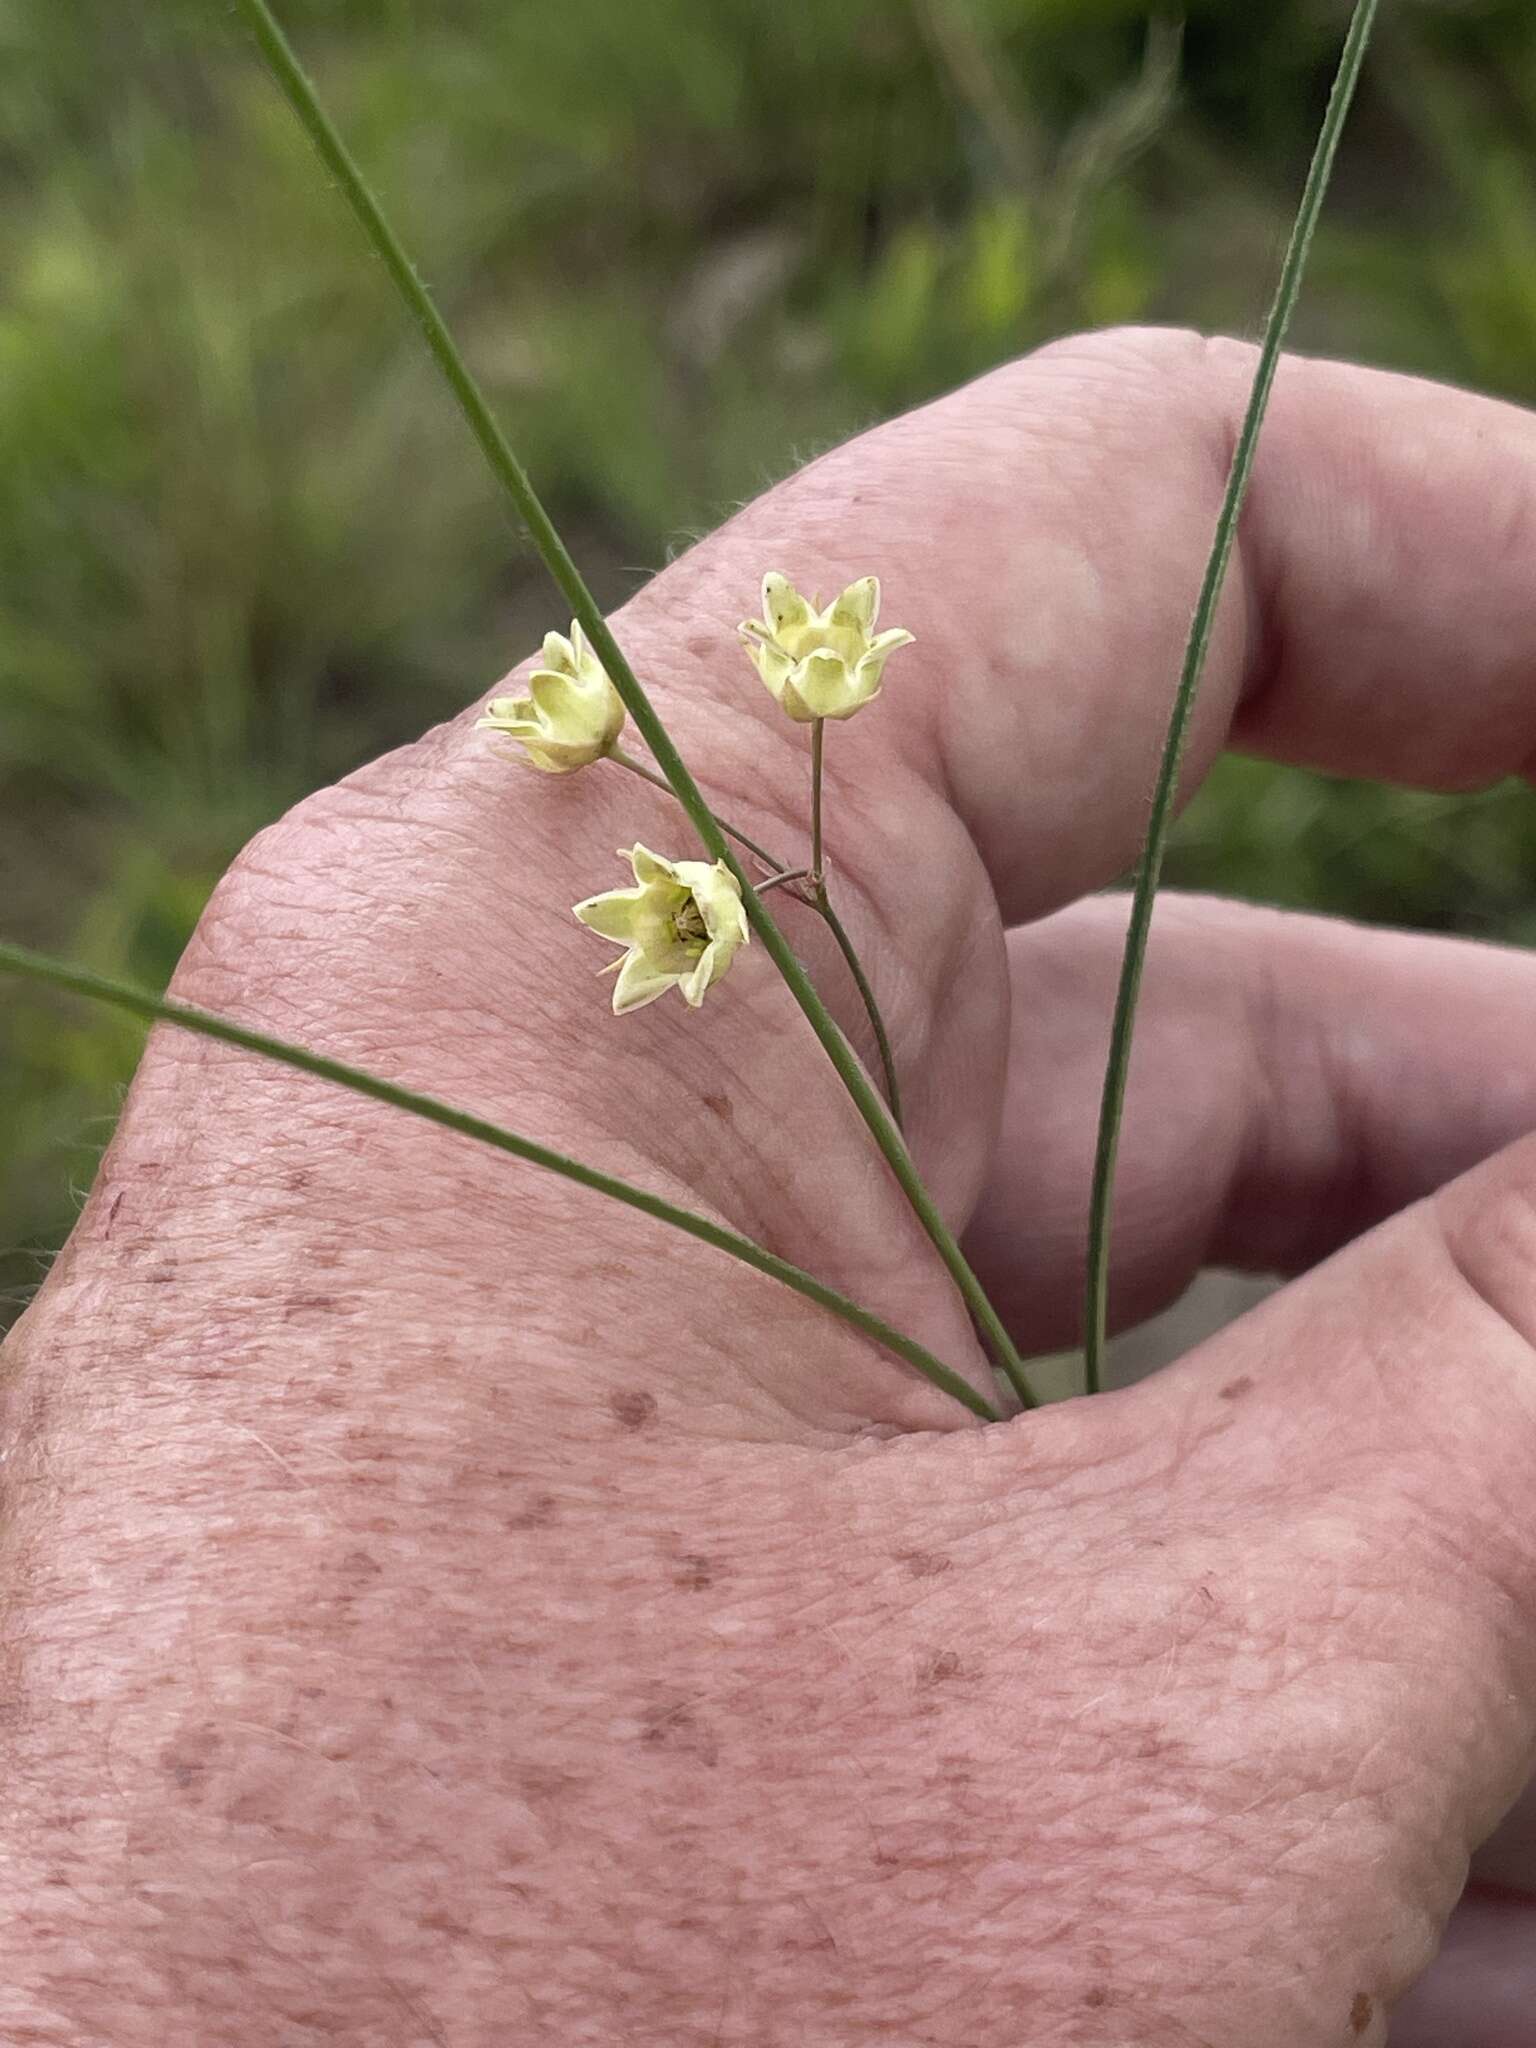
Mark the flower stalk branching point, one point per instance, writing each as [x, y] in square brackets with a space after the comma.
[681, 926]
[799, 886]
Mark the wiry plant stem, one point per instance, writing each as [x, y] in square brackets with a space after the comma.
[206, 1024]
[622, 759]
[818, 743]
[835, 926]
[509, 472]
[1149, 873]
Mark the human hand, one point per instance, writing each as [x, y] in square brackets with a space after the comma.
[444, 1608]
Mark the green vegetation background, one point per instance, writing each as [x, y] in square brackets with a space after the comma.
[245, 544]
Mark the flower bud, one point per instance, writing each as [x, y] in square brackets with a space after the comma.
[572, 715]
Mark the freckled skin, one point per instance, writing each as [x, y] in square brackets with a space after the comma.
[633, 1409]
[538, 1630]
[923, 1564]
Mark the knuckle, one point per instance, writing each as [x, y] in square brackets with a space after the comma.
[1487, 1223]
[1177, 357]
[1485, 1426]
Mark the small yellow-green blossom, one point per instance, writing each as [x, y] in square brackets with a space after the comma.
[820, 664]
[572, 715]
[681, 925]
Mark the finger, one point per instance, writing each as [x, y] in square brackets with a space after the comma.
[1294, 1081]
[1043, 533]
[1365, 1439]
[1481, 1990]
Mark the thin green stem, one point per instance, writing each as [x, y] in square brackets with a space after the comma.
[621, 759]
[139, 1003]
[509, 472]
[818, 735]
[1149, 873]
[871, 1008]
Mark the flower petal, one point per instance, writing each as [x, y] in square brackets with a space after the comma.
[795, 705]
[506, 714]
[559, 654]
[866, 677]
[888, 641]
[694, 987]
[649, 867]
[824, 684]
[772, 664]
[561, 699]
[639, 983]
[858, 606]
[612, 914]
[783, 606]
[717, 893]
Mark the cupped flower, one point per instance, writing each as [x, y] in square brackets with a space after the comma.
[680, 926]
[572, 715]
[820, 664]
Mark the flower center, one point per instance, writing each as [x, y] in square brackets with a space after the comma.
[688, 926]
[846, 642]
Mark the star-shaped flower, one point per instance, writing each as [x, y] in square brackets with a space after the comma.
[820, 664]
[681, 925]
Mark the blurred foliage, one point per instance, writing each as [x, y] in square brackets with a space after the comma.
[246, 544]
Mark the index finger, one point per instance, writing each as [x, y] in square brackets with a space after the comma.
[1043, 533]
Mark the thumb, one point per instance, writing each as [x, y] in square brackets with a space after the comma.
[1371, 1432]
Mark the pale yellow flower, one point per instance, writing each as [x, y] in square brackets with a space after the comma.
[572, 715]
[681, 926]
[820, 664]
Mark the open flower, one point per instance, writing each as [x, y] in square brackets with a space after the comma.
[572, 714]
[681, 926]
[820, 664]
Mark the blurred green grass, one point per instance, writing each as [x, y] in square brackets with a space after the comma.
[245, 544]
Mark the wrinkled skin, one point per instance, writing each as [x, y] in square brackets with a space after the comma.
[441, 1607]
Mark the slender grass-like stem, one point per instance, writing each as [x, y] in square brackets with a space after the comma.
[296, 88]
[823, 903]
[839, 933]
[139, 1003]
[818, 743]
[1149, 872]
[784, 880]
[621, 759]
